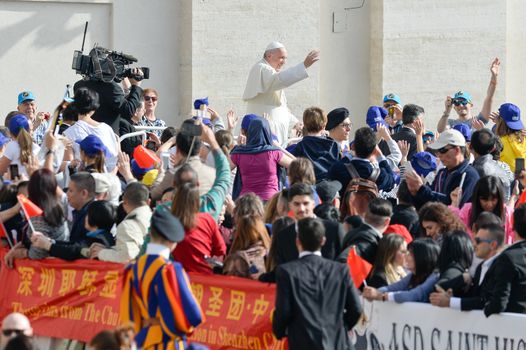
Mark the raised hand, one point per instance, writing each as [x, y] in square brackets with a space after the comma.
[494, 117]
[404, 148]
[231, 119]
[383, 132]
[419, 127]
[311, 58]
[495, 67]
[455, 196]
[478, 124]
[448, 104]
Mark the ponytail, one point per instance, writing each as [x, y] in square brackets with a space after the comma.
[26, 145]
[99, 162]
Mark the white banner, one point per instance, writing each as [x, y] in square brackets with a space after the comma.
[417, 326]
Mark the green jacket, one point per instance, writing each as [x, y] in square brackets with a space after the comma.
[212, 201]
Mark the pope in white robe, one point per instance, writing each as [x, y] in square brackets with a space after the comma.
[264, 92]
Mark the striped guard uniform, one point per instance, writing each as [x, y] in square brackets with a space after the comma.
[158, 300]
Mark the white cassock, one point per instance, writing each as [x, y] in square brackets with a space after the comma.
[264, 94]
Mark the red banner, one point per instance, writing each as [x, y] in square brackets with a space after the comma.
[238, 313]
[78, 300]
[63, 299]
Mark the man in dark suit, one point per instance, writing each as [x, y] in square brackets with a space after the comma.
[509, 292]
[366, 236]
[489, 242]
[301, 202]
[410, 114]
[316, 301]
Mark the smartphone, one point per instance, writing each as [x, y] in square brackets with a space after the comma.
[519, 166]
[13, 169]
[151, 145]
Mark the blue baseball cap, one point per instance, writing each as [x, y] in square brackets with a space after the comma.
[463, 95]
[464, 130]
[392, 97]
[18, 122]
[376, 115]
[200, 101]
[511, 114]
[247, 119]
[91, 145]
[424, 163]
[25, 96]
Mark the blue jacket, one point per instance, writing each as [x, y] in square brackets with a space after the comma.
[321, 151]
[385, 180]
[445, 182]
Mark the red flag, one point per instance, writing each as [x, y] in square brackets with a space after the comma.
[3, 231]
[30, 209]
[359, 267]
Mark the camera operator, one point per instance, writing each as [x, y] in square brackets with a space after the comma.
[115, 107]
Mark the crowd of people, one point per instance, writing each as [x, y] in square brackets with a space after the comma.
[441, 216]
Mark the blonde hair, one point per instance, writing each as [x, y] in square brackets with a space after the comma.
[26, 145]
[98, 160]
[147, 90]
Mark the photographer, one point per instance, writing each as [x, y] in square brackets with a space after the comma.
[115, 107]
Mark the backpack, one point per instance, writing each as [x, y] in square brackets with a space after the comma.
[248, 263]
[359, 192]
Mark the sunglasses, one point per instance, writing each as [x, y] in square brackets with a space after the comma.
[444, 150]
[460, 102]
[8, 332]
[479, 240]
[148, 98]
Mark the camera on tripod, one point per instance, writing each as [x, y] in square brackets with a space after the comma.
[106, 65]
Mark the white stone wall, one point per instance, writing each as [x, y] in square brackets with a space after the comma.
[422, 50]
[229, 36]
[434, 48]
[345, 75]
[38, 38]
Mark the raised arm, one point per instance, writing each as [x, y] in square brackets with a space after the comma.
[442, 123]
[488, 101]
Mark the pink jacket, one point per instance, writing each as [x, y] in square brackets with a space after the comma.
[465, 213]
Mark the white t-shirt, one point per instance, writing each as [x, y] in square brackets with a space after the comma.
[81, 129]
[12, 152]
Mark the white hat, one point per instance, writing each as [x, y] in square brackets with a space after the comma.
[449, 137]
[274, 45]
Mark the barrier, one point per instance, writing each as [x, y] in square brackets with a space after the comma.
[418, 326]
[77, 300]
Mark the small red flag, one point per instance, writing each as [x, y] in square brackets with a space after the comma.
[359, 267]
[30, 209]
[3, 231]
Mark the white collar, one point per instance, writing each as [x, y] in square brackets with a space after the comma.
[306, 252]
[158, 249]
[487, 263]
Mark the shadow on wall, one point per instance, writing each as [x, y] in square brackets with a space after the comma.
[41, 25]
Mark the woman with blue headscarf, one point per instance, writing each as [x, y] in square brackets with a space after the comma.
[257, 162]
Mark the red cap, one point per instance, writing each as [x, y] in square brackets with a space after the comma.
[400, 230]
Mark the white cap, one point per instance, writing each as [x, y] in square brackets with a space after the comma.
[449, 137]
[274, 45]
